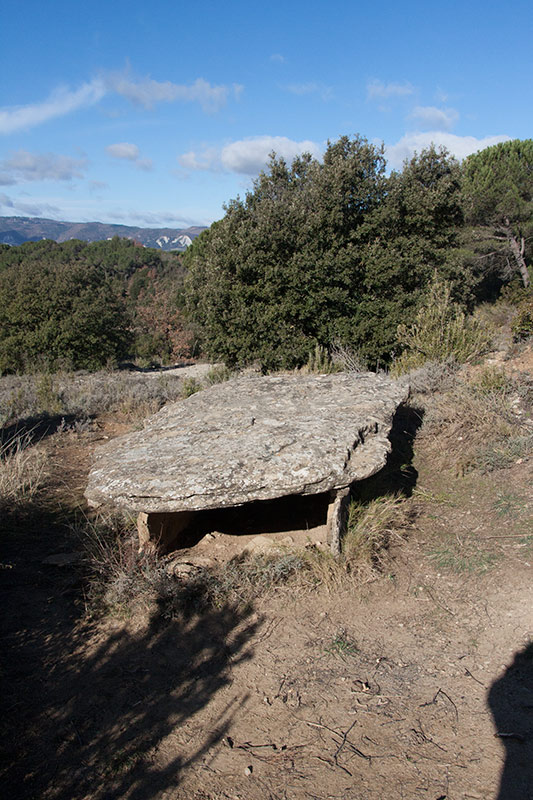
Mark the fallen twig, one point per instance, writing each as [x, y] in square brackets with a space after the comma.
[440, 605]
[518, 736]
[432, 702]
[344, 740]
[467, 671]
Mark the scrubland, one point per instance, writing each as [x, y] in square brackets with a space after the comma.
[402, 669]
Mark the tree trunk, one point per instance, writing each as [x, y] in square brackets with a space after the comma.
[517, 250]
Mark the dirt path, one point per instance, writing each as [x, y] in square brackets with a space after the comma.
[392, 690]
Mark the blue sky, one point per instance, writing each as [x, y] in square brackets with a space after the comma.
[156, 113]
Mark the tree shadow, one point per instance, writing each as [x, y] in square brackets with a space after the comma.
[511, 702]
[31, 430]
[86, 710]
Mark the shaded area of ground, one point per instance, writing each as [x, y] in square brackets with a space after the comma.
[85, 708]
[511, 703]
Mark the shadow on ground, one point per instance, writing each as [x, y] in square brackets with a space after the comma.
[398, 476]
[85, 713]
[511, 703]
[30, 430]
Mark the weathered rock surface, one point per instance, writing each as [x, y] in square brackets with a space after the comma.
[252, 438]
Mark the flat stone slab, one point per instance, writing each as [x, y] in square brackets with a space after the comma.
[251, 438]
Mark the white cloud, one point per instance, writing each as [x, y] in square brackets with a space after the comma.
[23, 167]
[129, 152]
[147, 92]
[146, 164]
[28, 209]
[208, 159]
[324, 92]
[378, 89]
[123, 150]
[62, 101]
[247, 156]
[159, 219]
[458, 146]
[435, 119]
[277, 58]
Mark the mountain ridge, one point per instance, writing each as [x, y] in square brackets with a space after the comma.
[17, 230]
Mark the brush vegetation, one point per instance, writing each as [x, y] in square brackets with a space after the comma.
[323, 266]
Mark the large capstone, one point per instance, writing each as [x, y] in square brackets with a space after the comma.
[252, 438]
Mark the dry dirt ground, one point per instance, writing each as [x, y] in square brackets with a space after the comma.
[415, 684]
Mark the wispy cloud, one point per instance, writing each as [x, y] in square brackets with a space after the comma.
[277, 58]
[16, 208]
[459, 146]
[247, 156]
[144, 92]
[301, 89]
[376, 89]
[152, 219]
[62, 101]
[148, 93]
[435, 119]
[129, 152]
[24, 167]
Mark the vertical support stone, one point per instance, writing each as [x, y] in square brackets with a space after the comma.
[161, 530]
[337, 518]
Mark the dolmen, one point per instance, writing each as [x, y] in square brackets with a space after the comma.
[249, 439]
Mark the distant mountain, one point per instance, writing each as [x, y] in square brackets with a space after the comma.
[16, 230]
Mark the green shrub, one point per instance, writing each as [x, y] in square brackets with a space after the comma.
[218, 374]
[441, 332]
[190, 386]
[522, 327]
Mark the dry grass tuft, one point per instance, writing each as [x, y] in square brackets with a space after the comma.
[23, 473]
[123, 580]
[120, 578]
[371, 526]
[480, 422]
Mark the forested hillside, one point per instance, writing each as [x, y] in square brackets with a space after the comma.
[320, 254]
[82, 306]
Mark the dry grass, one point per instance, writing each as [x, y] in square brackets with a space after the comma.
[133, 395]
[121, 580]
[372, 526]
[480, 421]
[124, 581]
[23, 474]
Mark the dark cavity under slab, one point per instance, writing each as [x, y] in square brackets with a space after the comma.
[173, 531]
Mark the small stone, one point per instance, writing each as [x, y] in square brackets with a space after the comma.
[248, 771]
[260, 544]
